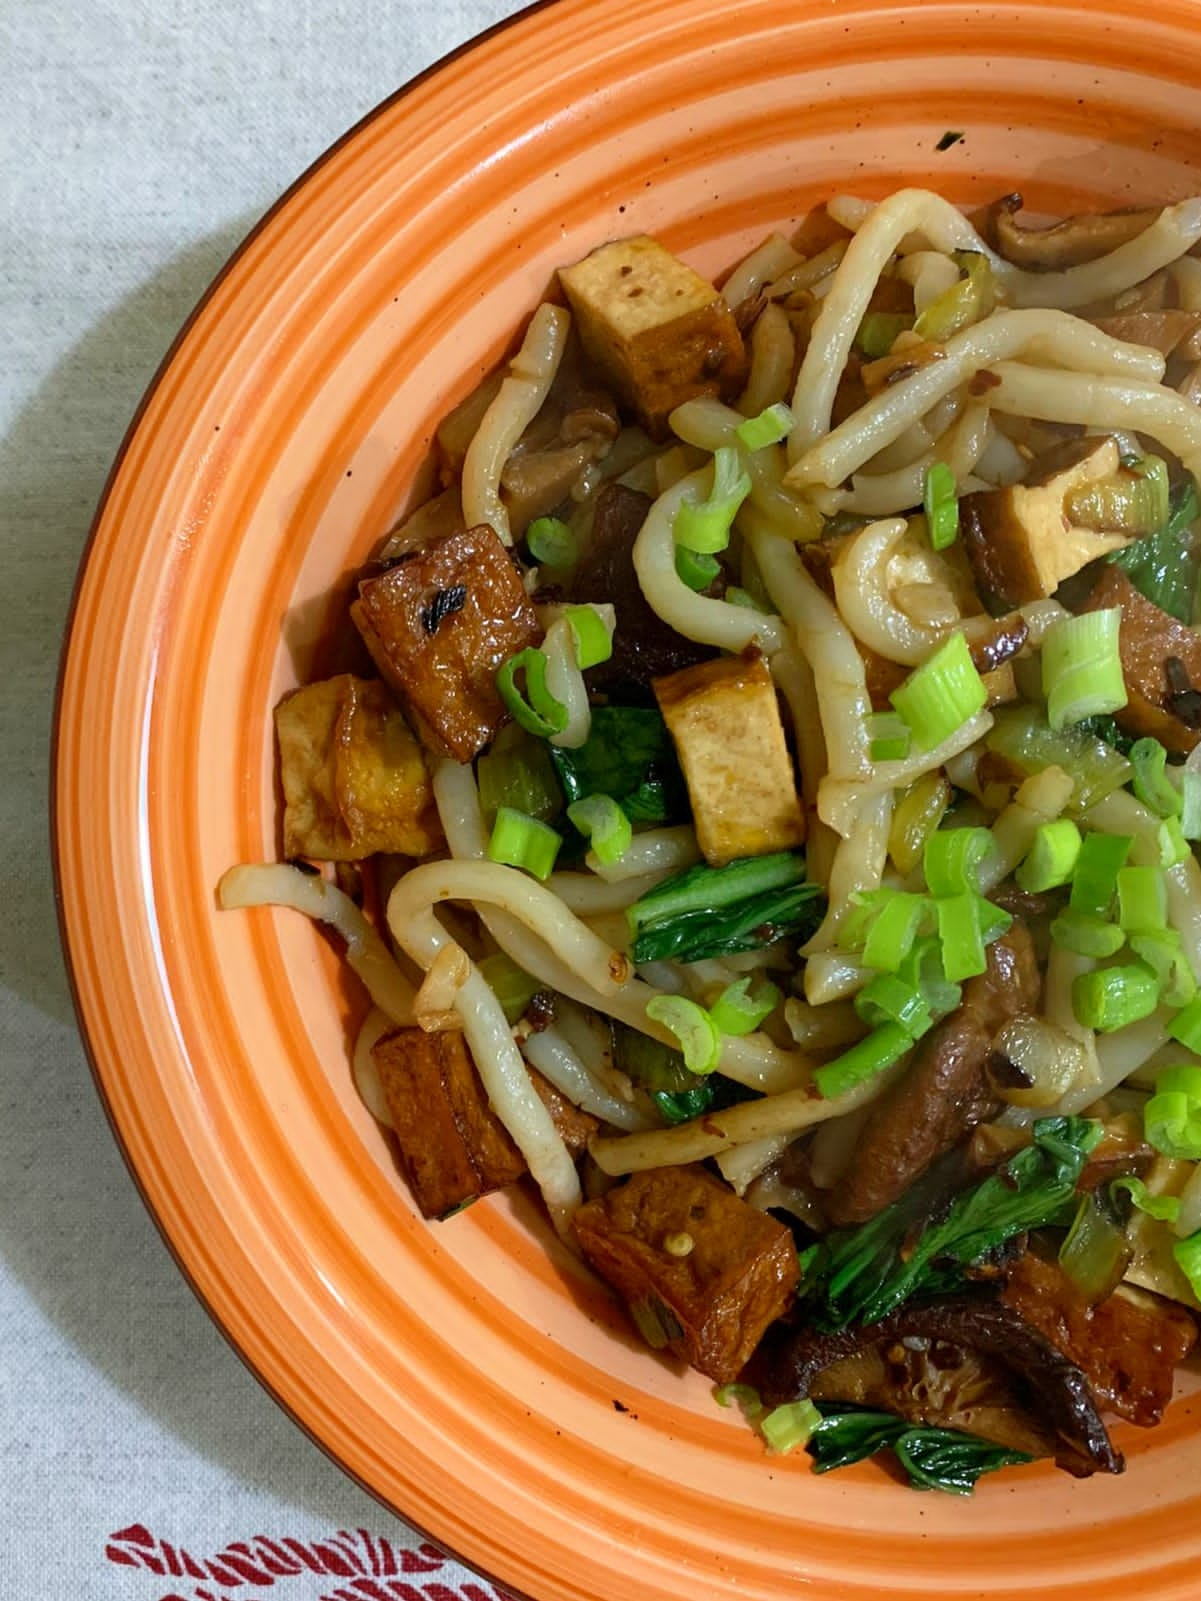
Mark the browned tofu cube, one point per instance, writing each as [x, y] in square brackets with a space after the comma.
[703, 1273]
[453, 1146]
[439, 624]
[725, 721]
[1023, 541]
[658, 331]
[354, 777]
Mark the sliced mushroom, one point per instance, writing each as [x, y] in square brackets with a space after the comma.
[967, 1362]
[534, 482]
[1020, 541]
[1064, 244]
[1170, 332]
[1161, 664]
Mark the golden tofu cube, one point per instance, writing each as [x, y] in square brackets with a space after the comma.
[354, 776]
[659, 332]
[725, 721]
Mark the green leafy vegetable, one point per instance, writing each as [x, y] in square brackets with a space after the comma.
[1020, 734]
[1163, 566]
[860, 1275]
[934, 1459]
[714, 911]
[628, 755]
[660, 1071]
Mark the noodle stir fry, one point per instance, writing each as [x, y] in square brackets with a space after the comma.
[763, 812]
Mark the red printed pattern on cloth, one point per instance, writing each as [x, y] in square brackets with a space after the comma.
[364, 1567]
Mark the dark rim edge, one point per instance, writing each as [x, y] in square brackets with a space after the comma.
[164, 366]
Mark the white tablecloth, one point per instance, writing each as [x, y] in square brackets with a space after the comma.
[139, 140]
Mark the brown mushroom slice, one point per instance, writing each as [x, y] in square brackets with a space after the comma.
[944, 1092]
[968, 1362]
[534, 482]
[1068, 243]
[1020, 541]
[1161, 664]
[1169, 332]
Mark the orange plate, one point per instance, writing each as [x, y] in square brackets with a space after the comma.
[468, 1373]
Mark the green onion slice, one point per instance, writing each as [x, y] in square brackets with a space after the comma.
[601, 820]
[1151, 783]
[953, 859]
[738, 1010]
[785, 1427]
[1142, 899]
[593, 641]
[879, 1050]
[879, 330]
[704, 526]
[768, 428]
[889, 735]
[888, 998]
[1174, 848]
[1163, 952]
[551, 542]
[537, 710]
[941, 695]
[512, 985]
[743, 1395]
[744, 598]
[1052, 858]
[1190, 803]
[1082, 667]
[1172, 1117]
[961, 934]
[1109, 998]
[1095, 881]
[694, 569]
[1163, 1208]
[694, 1029]
[940, 501]
[1185, 1027]
[895, 922]
[521, 841]
[1086, 935]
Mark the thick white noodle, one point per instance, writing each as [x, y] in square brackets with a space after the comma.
[858, 867]
[658, 850]
[278, 884]
[554, 1058]
[930, 273]
[590, 896]
[773, 353]
[366, 1075]
[517, 403]
[774, 257]
[1105, 403]
[566, 683]
[1121, 813]
[839, 800]
[709, 622]
[741, 1165]
[1039, 799]
[1174, 231]
[826, 644]
[1118, 1055]
[833, 976]
[795, 681]
[1053, 337]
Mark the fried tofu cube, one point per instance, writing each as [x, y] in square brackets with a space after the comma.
[452, 1145]
[354, 777]
[703, 1273]
[1022, 542]
[725, 721]
[438, 625]
[659, 332]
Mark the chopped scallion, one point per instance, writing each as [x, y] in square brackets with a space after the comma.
[893, 928]
[1142, 899]
[1163, 952]
[1172, 1117]
[694, 1029]
[1052, 858]
[704, 526]
[739, 1010]
[1109, 998]
[878, 332]
[889, 736]
[1185, 1027]
[879, 1050]
[743, 1395]
[1095, 881]
[1086, 935]
[537, 710]
[744, 598]
[601, 820]
[940, 501]
[888, 998]
[1151, 783]
[521, 841]
[696, 570]
[593, 641]
[1174, 848]
[768, 428]
[1163, 1208]
[941, 695]
[551, 542]
[785, 1427]
[961, 935]
[1190, 803]
[1082, 667]
[953, 859]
